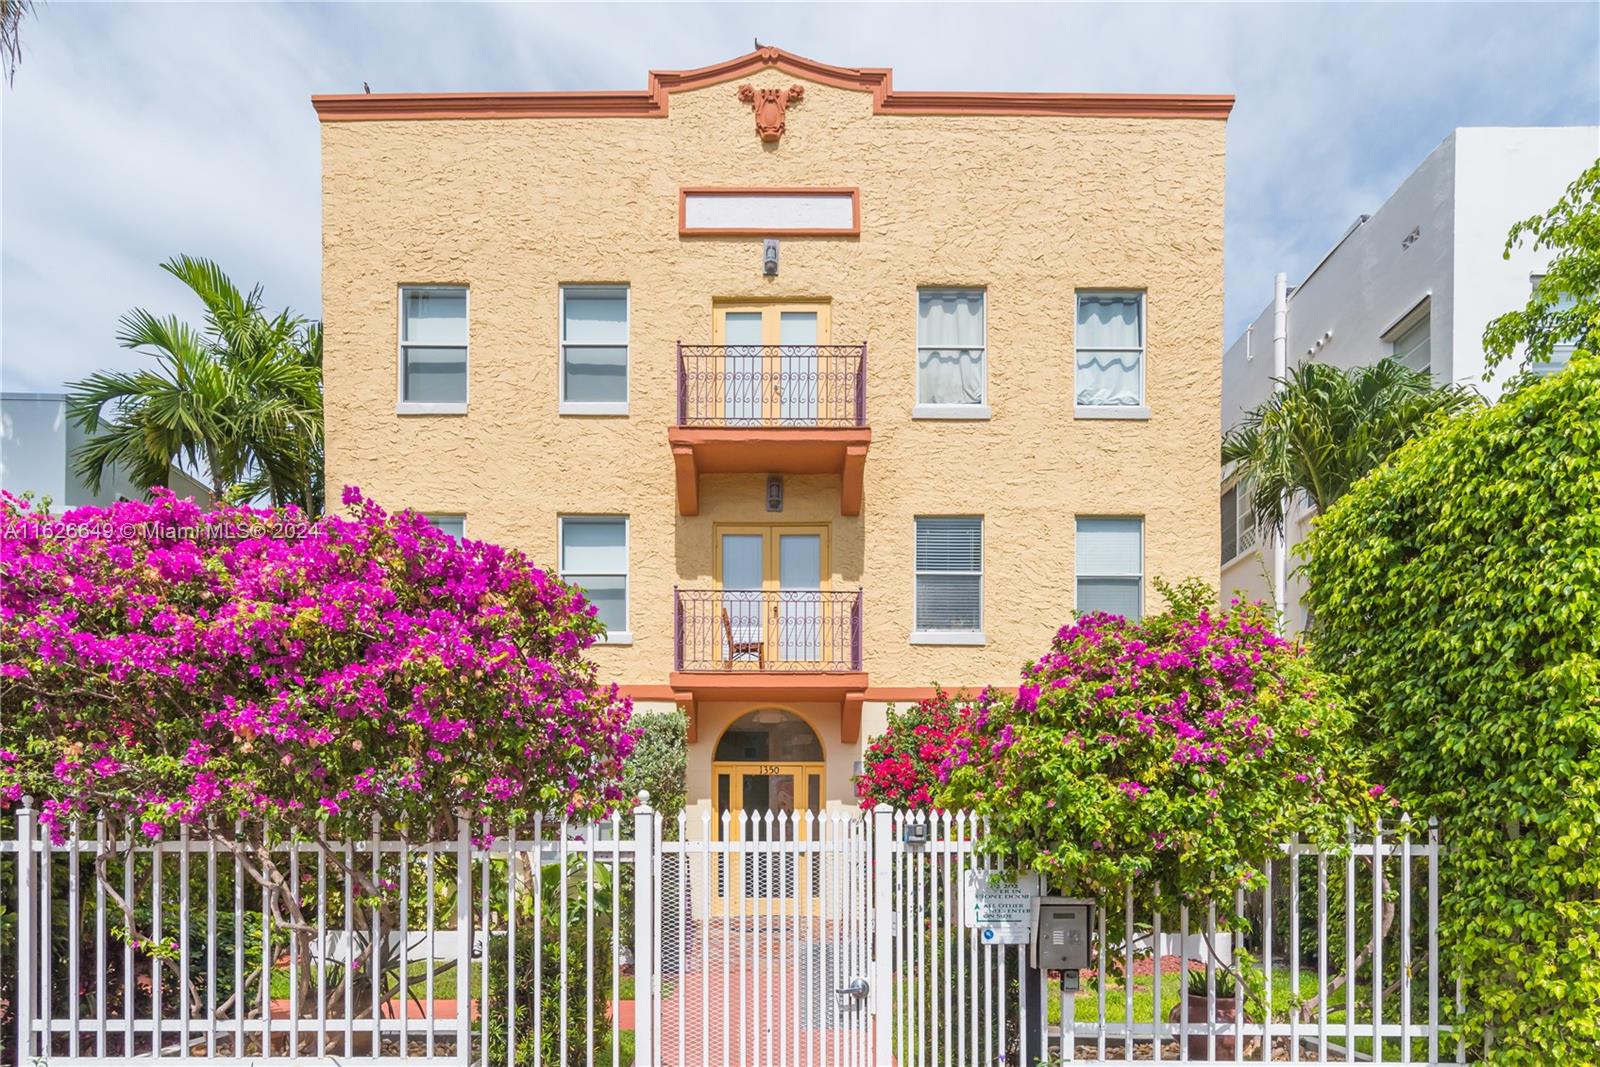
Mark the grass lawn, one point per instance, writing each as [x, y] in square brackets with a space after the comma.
[1086, 1008]
[444, 981]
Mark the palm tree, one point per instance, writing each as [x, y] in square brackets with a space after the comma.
[1327, 427]
[11, 15]
[240, 397]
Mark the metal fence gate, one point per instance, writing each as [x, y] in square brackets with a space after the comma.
[766, 943]
[827, 939]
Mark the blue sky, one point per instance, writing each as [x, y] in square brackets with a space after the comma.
[137, 131]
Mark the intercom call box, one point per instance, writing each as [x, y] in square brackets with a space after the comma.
[1062, 934]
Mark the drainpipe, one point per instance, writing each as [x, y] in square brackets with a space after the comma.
[1280, 368]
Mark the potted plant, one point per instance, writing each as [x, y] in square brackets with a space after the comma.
[1200, 1015]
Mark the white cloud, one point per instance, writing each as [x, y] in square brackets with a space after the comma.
[138, 131]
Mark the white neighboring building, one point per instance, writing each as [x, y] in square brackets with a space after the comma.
[36, 446]
[1418, 279]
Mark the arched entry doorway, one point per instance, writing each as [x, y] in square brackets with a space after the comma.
[768, 761]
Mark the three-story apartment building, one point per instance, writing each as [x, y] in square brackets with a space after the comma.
[826, 392]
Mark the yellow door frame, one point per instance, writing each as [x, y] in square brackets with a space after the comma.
[771, 335]
[771, 316]
[769, 534]
[734, 871]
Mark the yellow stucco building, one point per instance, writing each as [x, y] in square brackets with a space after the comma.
[828, 392]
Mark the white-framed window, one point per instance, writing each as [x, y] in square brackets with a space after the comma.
[433, 349]
[1238, 522]
[450, 525]
[1110, 565]
[1560, 354]
[1413, 346]
[949, 580]
[952, 354]
[594, 557]
[1109, 357]
[594, 349]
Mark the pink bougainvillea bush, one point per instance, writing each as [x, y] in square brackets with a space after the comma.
[169, 665]
[1173, 754]
[901, 766]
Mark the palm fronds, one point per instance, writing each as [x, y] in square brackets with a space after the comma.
[240, 396]
[1327, 427]
[12, 13]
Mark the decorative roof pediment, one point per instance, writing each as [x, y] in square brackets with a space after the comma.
[652, 102]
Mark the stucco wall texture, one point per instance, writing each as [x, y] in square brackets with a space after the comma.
[1028, 208]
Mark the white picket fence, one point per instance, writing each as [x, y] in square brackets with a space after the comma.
[827, 939]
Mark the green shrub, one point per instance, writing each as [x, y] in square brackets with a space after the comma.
[658, 764]
[1458, 590]
[1174, 754]
[540, 989]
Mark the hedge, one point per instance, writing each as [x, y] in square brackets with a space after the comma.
[1457, 589]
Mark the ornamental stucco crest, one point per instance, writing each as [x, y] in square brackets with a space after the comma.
[770, 106]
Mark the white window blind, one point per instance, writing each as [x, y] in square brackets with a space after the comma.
[594, 345]
[1413, 347]
[594, 557]
[433, 345]
[951, 346]
[949, 574]
[1110, 350]
[1110, 565]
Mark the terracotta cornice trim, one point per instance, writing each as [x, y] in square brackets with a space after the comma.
[1084, 105]
[652, 102]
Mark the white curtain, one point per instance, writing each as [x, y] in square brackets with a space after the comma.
[1110, 350]
[950, 348]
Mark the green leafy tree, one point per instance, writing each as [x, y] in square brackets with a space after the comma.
[1457, 590]
[658, 763]
[1564, 307]
[240, 397]
[1327, 427]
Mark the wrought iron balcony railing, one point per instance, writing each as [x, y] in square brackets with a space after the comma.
[767, 630]
[772, 385]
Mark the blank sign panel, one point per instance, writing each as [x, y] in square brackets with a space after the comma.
[769, 212]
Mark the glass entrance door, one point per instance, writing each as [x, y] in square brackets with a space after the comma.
[766, 776]
[799, 617]
[767, 805]
[770, 370]
[771, 579]
[797, 368]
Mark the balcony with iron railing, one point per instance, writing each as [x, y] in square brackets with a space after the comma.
[782, 645]
[767, 630]
[771, 409]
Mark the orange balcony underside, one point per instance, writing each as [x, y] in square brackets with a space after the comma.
[761, 450]
[849, 688]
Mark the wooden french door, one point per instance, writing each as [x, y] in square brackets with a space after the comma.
[771, 579]
[770, 371]
[768, 879]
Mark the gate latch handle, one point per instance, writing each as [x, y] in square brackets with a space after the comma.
[857, 988]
